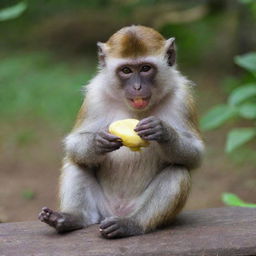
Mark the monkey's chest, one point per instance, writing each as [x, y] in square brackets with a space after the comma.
[125, 174]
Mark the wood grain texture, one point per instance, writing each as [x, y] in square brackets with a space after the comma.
[210, 232]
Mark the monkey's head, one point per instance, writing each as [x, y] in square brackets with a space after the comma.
[138, 61]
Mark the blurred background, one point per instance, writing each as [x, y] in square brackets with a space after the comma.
[48, 52]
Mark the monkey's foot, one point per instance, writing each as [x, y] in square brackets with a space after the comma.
[114, 227]
[52, 218]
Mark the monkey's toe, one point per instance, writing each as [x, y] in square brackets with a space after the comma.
[48, 216]
[44, 214]
[112, 228]
[47, 210]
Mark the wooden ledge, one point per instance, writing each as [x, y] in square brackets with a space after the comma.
[219, 231]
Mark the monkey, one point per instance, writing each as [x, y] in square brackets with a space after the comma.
[102, 182]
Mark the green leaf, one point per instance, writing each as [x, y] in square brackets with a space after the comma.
[233, 200]
[217, 116]
[28, 194]
[238, 137]
[248, 110]
[13, 11]
[247, 61]
[230, 83]
[242, 93]
[246, 1]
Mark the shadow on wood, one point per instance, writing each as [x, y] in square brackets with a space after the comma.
[218, 231]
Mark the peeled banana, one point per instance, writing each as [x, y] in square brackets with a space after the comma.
[125, 130]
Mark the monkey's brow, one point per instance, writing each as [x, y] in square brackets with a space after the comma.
[136, 62]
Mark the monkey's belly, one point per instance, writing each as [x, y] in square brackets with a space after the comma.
[125, 175]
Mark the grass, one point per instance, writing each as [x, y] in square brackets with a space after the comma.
[36, 86]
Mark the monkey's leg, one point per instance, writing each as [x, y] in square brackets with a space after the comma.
[62, 222]
[157, 206]
[80, 195]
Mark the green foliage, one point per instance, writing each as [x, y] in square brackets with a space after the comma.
[238, 137]
[247, 61]
[37, 87]
[251, 4]
[189, 39]
[242, 93]
[246, 1]
[241, 103]
[217, 116]
[248, 110]
[28, 194]
[24, 137]
[13, 11]
[233, 200]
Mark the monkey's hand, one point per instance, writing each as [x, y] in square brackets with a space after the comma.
[152, 128]
[183, 148]
[106, 142]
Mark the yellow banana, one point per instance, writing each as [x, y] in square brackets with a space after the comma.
[125, 130]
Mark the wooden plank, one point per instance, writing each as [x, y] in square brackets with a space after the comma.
[209, 232]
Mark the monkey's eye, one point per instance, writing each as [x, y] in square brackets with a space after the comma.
[126, 70]
[145, 68]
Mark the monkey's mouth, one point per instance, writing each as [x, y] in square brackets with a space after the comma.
[139, 103]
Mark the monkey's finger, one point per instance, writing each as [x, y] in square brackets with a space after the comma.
[109, 229]
[151, 124]
[143, 123]
[147, 132]
[148, 120]
[110, 137]
[156, 136]
[107, 148]
[101, 142]
[143, 127]
[105, 139]
[115, 234]
[107, 223]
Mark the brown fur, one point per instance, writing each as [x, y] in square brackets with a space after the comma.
[80, 116]
[192, 117]
[135, 41]
[166, 217]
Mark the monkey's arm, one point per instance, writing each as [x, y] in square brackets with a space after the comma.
[177, 147]
[90, 147]
[183, 148]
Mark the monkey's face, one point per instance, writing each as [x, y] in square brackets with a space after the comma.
[137, 81]
[137, 62]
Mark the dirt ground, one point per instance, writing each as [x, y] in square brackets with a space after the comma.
[35, 167]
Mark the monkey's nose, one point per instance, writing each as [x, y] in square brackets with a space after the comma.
[137, 86]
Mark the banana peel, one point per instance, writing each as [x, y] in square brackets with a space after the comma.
[125, 130]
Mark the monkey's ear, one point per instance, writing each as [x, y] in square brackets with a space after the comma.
[170, 51]
[102, 53]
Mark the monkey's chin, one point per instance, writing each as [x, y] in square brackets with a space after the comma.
[139, 104]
